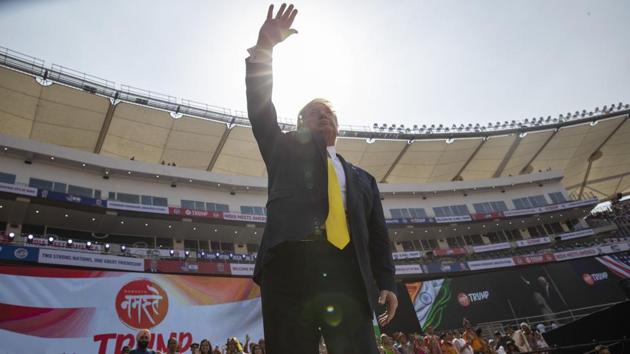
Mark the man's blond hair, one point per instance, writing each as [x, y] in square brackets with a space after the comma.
[311, 104]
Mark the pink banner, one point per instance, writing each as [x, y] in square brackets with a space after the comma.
[186, 266]
[457, 251]
[534, 259]
[196, 213]
[487, 216]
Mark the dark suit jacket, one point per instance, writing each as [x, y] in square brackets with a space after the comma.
[297, 203]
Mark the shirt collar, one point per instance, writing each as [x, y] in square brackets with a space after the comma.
[332, 151]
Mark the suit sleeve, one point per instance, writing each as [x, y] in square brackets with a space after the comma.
[260, 109]
[379, 246]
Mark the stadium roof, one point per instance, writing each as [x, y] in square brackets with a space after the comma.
[59, 106]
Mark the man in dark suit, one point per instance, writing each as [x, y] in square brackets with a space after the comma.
[325, 263]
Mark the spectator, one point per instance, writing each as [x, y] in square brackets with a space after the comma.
[142, 343]
[261, 342]
[462, 346]
[524, 338]
[601, 349]
[500, 340]
[388, 344]
[172, 346]
[125, 350]
[257, 349]
[539, 340]
[419, 346]
[446, 344]
[471, 337]
[511, 348]
[233, 346]
[540, 327]
[432, 342]
[205, 347]
[194, 348]
[405, 346]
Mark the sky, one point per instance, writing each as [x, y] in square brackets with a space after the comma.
[402, 62]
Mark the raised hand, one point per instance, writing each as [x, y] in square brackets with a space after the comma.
[275, 30]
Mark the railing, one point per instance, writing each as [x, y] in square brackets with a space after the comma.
[34, 66]
[560, 318]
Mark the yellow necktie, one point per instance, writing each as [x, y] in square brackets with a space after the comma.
[336, 225]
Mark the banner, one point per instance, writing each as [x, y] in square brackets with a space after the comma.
[113, 204]
[195, 213]
[406, 255]
[18, 189]
[615, 247]
[402, 269]
[450, 219]
[64, 197]
[242, 269]
[491, 263]
[186, 266]
[444, 267]
[410, 221]
[245, 217]
[534, 259]
[18, 253]
[579, 253]
[576, 234]
[92, 260]
[550, 208]
[457, 251]
[54, 310]
[487, 216]
[533, 241]
[491, 247]
[546, 292]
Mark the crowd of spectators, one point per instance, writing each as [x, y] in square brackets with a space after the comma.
[231, 346]
[618, 213]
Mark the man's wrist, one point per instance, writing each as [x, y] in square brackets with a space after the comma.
[259, 54]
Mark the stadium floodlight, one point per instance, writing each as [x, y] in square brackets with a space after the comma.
[51, 239]
[123, 248]
[88, 244]
[203, 254]
[187, 253]
[11, 236]
[231, 255]
[69, 242]
[216, 255]
[106, 247]
[30, 237]
[171, 252]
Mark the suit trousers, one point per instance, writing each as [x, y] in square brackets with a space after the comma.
[310, 289]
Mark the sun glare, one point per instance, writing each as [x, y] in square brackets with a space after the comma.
[310, 65]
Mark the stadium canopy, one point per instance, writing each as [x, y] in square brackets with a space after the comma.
[56, 105]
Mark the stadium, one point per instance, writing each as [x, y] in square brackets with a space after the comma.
[111, 194]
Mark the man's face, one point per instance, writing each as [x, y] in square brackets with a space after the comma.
[143, 340]
[320, 119]
[172, 345]
[430, 330]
